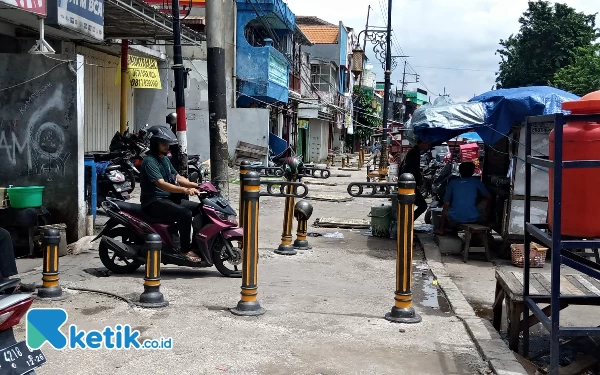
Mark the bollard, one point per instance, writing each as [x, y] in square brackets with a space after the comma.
[244, 168]
[152, 297]
[248, 304]
[286, 248]
[343, 162]
[302, 212]
[50, 289]
[403, 312]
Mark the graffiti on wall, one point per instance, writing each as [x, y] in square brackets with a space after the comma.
[35, 143]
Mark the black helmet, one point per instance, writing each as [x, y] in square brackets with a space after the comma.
[303, 210]
[162, 134]
[292, 166]
[172, 119]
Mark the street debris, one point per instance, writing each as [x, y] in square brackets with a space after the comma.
[329, 198]
[321, 183]
[313, 234]
[367, 233]
[334, 235]
[424, 228]
[223, 367]
[332, 222]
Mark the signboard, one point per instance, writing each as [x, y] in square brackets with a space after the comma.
[143, 73]
[302, 124]
[33, 6]
[84, 16]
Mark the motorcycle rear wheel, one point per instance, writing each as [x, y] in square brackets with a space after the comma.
[228, 267]
[109, 258]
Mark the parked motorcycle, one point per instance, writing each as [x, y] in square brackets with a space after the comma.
[196, 171]
[112, 182]
[215, 228]
[15, 357]
[440, 181]
[428, 176]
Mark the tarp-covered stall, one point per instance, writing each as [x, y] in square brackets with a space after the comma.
[496, 116]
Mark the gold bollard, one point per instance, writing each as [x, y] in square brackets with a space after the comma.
[403, 312]
[244, 168]
[248, 304]
[286, 248]
[50, 289]
[152, 297]
[343, 162]
[302, 211]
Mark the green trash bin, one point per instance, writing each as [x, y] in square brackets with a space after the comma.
[381, 217]
[25, 197]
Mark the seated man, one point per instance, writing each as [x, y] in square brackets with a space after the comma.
[8, 264]
[461, 200]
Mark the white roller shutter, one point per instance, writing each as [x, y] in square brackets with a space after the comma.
[102, 99]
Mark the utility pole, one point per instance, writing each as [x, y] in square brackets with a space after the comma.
[179, 75]
[383, 163]
[217, 95]
[402, 92]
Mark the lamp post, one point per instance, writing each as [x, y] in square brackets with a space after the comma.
[382, 45]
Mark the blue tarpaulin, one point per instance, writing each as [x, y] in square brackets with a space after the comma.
[491, 114]
[278, 145]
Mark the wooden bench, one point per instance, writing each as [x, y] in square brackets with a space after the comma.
[509, 287]
[475, 230]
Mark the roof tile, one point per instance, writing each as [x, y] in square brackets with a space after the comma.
[321, 34]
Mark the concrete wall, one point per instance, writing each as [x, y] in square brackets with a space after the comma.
[41, 132]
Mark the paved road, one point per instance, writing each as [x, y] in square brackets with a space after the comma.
[324, 307]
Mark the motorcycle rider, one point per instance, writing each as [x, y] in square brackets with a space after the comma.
[162, 188]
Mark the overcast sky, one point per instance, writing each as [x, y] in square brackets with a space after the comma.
[459, 36]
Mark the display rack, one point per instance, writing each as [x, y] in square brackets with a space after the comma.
[561, 249]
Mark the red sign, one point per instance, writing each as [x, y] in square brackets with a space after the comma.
[33, 6]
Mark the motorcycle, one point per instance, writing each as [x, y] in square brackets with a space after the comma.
[428, 176]
[214, 230]
[196, 171]
[440, 181]
[15, 357]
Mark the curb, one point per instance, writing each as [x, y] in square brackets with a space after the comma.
[490, 345]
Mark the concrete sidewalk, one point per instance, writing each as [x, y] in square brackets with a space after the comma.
[325, 311]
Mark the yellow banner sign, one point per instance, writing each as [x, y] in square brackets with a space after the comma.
[142, 72]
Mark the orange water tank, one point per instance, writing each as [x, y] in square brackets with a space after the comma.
[580, 187]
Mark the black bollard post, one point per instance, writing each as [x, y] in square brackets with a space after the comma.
[302, 212]
[50, 289]
[244, 168]
[403, 312]
[248, 304]
[152, 297]
[286, 248]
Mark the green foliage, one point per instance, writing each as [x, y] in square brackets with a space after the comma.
[547, 42]
[364, 114]
[583, 75]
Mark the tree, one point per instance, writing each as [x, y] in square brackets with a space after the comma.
[583, 75]
[548, 40]
[367, 119]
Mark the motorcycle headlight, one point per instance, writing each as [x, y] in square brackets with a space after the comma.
[230, 218]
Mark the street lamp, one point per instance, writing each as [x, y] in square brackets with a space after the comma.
[374, 102]
[358, 58]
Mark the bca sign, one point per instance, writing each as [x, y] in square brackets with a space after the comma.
[33, 6]
[84, 16]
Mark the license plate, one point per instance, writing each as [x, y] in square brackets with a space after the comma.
[18, 359]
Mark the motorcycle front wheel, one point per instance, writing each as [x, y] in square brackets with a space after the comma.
[114, 262]
[228, 266]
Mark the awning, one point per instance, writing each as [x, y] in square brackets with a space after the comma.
[134, 19]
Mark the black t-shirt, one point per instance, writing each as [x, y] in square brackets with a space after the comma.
[412, 164]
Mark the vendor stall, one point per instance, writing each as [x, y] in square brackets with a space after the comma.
[497, 117]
